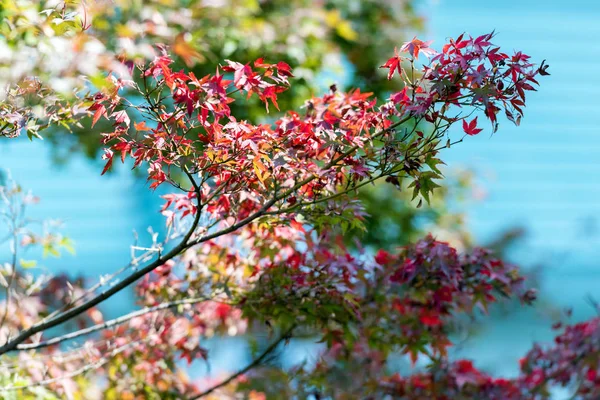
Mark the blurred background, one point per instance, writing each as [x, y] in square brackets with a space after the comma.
[541, 177]
[531, 192]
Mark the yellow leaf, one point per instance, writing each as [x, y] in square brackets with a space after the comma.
[67, 244]
[344, 29]
[28, 263]
[261, 171]
[333, 19]
[124, 31]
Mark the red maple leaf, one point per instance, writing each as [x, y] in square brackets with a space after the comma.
[394, 64]
[270, 93]
[471, 127]
[100, 111]
[430, 318]
[400, 97]
[416, 46]
[382, 257]
[108, 155]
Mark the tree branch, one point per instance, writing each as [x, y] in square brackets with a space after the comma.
[185, 244]
[73, 374]
[256, 362]
[109, 324]
[75, 311]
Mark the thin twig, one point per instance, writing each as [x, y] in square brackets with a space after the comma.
[256, 362]
[73, 374]
[185, 244]
[109, 324]
[75, 311]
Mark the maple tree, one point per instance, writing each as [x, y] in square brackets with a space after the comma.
[253, 238]
[67, 46]
[59, 42]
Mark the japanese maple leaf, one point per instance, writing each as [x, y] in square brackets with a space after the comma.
[284, 69]
[270, 93]
[382, 257]
[471, 127]
[108, 155]
[430, 318]
[121, 117]
[100, 110]
[417, 46]
[243, 76]
[400, 97]
[465, 373]
[183, 48]
[394, 64]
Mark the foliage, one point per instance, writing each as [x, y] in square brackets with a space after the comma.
[61, 42]
[392, 220]
[254, 232]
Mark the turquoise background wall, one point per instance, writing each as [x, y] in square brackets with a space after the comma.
[544, 175]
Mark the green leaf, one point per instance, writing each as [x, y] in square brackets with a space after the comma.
[253, 344]
[31, 134]
[433, 162]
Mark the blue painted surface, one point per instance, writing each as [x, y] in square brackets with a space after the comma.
[543, 175]
[99, 213]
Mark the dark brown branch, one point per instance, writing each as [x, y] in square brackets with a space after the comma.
[185, 244]
[255, 363]
[88, 367]
[75, 311]
[108, 324]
